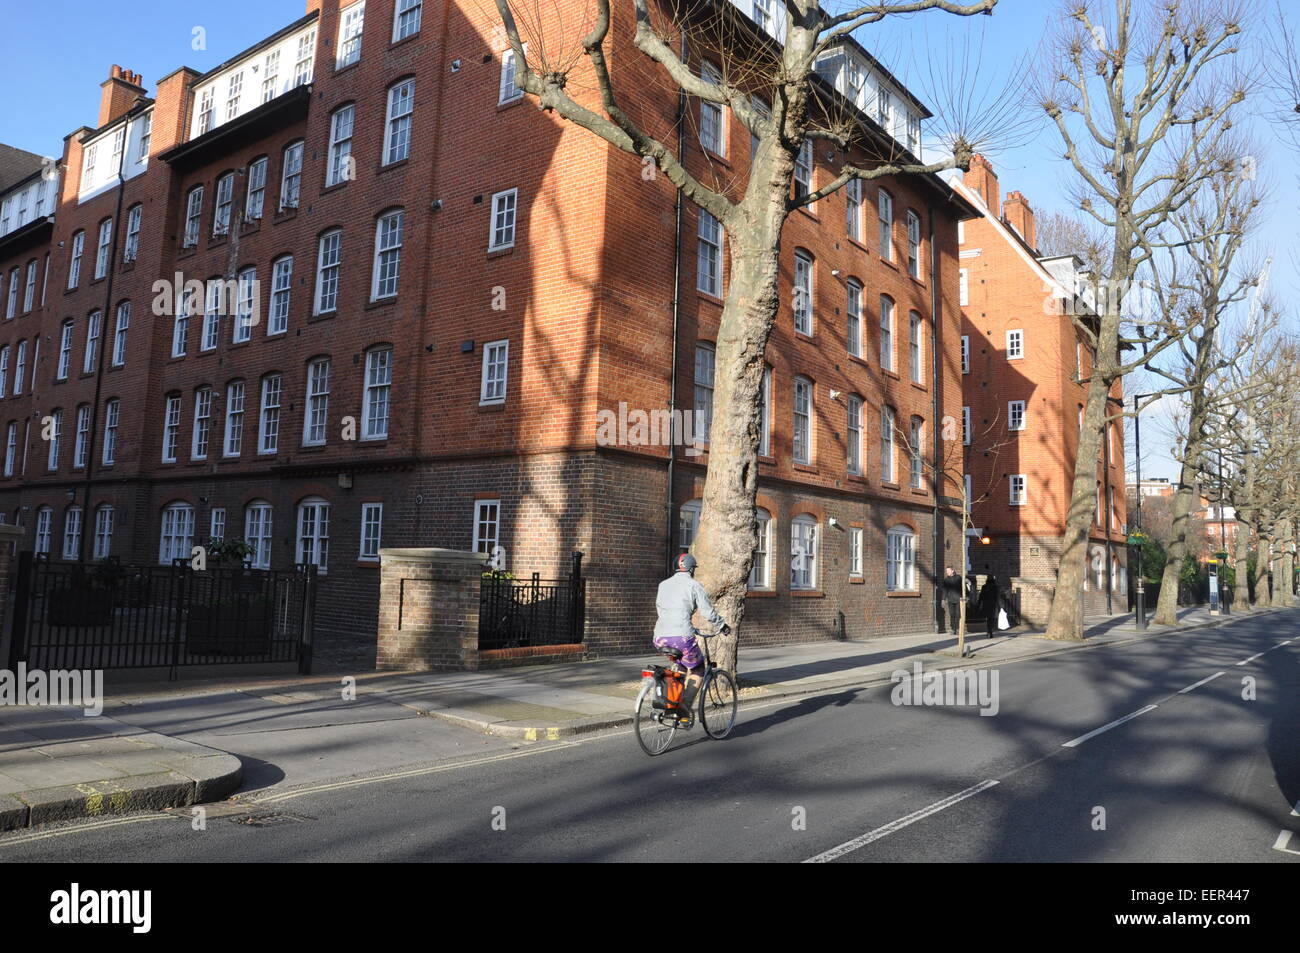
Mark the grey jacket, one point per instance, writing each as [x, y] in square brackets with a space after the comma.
[680, 597]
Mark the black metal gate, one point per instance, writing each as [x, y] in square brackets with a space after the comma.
[534, 611]
[109, 615]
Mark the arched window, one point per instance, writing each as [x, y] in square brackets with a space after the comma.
[314, 533]
[72, 532]
[854, 311]
[886, 333]
[193, 217]
[803, 292]
[397, 128]
[340, 155]
[803, 552]
[177, 537]
[900, 560]
[104, 518]
[854, 437]
[388, 254]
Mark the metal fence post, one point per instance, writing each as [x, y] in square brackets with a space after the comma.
[308, 621]
[22, 598]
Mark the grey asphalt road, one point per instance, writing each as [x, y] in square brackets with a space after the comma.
[1210, 773]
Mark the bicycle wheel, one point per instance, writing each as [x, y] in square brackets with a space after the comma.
[652, 735]
[718, 704]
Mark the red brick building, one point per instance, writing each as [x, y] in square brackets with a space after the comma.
[349, 290]
[1025, 372]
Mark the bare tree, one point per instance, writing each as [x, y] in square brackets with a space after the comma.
[1142, 98]
[1197, 280]
[1059, 233]
[773, 89]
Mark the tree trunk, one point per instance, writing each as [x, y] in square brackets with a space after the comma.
[1241, 562]
[1284, 565]
[1176, 551]
[728, 531]
[1065, 620]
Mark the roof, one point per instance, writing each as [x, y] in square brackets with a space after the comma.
[259, 45]
[16, 165]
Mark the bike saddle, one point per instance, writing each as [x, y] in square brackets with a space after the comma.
[674, 654]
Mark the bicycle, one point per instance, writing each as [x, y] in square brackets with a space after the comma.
[657, 718]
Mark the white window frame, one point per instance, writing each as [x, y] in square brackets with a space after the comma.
[268, 418]
[171, 428]
[1016, 414]
[487, 525]
[407, 15]
[65, 351]
[201, 436]
[217, 524]
[888, 421]
[291, 175]
[900, 559]
[1017, 489]
[232, 443]
[853, 433]
[713, 123]
[916, 346]
[343, 123]
[1015, 344]
[804, 546]
[913, 244]
[315, 418]
[505, 207]
[176, 536]
[259, 522]
[887, 334]
[495, 374]
[399, 121]
[802, 435]
[963, 287]
[378, 392]
[72, 532]
[352, 24]
[81, 441]
[387, 265]
[853, 312]
[255, 200]
[132, 247]
[246, 295]
[44, 527]
[372, 532]
[112, 414]
[102, 247]
[104, 519]
[223, 204]
[507, 90]
[855, 551]
[705, 368]
[853, 208]
[885, 212]
[329, 261]
[802, 299]
[760, 572]
[193, 218]
[74, 267]
[708, 271]
[965, 353]
[281, 293]
[965, 426]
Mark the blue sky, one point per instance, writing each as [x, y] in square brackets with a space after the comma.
[45, 104]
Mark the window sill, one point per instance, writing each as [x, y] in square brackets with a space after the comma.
[381, 303]
[491, 406]
[509, 103]
[857, 244]
[920, 386]
[760, 594]
[807, 594]
[803, 336]
[887, 263]
[811, 210]
[334, 187]
[805, 468]
[710, 297]
[501, 252]
[889, 485]
[126, 266]
[391, 166]
[394, 44]
[285, 214]
[902, 594]
[186, 251]
[323, 316]
[858, 478]
[856, 581]
[250, 226]
[217, 241]
[339, 70]
[893, 375]
[368, 564]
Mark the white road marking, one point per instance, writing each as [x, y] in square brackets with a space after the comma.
[1096, 731]
[1190, 688]
[1247, 661]
[11, 840]
[1283, 839]
[1295, 811]
[865, 839]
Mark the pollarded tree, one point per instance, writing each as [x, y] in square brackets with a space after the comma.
[1142, 96]
[773, 88]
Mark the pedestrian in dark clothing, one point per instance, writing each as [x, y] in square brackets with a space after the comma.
[990, 604]
[952, 595]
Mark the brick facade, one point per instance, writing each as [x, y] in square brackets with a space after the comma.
[583, 295]
[1011, 290]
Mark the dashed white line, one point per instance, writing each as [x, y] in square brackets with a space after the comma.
[865, 839]
[1247, 661]
[1192, 688]
[1282, 842]
[1096, 731]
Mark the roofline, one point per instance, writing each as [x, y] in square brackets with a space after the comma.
[179, 69]
[25, 180]
[1010, 235]
[907, 93]
[259, 45]
[141, 104]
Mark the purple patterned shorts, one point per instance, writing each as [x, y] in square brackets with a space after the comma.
[690, 649]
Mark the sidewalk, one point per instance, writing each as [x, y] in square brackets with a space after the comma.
[291, 730]
[57, 764]
[550, 702]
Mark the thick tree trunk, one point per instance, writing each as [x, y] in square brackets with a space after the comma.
[1176, 551]
[1065, 620]
[1241, 562]
[728, 531]
[1284, 564]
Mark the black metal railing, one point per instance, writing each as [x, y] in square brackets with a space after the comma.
[109, 615]
[515, 613]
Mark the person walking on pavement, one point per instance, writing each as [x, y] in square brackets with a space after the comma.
[952, 595]
[990, 604]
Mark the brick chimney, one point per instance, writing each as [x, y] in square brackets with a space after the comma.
[118, 93]
[1017, 213]
[982, 179]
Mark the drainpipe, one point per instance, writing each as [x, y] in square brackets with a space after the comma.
[936, 417]
[677, 313]
[105, 315]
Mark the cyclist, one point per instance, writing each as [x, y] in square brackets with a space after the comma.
[679, 598]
